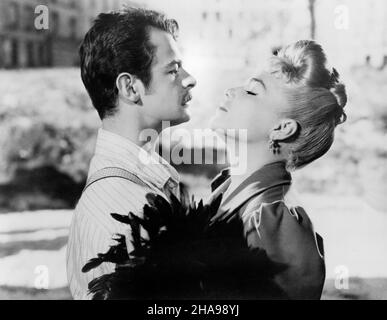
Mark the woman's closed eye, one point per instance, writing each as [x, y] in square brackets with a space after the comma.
[251, 93]
[251, 89]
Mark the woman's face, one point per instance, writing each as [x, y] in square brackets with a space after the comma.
[255, 107]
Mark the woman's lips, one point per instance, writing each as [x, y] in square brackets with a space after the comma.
[223, 109]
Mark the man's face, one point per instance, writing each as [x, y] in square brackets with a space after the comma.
[169, 91]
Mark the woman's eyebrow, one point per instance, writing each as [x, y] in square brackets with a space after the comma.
[259, 81]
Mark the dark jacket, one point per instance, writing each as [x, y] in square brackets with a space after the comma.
[282, 232]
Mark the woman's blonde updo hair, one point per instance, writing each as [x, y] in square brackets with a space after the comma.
[316, 97]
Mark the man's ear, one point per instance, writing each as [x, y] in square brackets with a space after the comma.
[127, 88]
[284, 130]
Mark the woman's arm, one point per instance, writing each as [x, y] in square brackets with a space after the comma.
[287, 237]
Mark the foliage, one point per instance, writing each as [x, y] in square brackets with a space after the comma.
[49, 123]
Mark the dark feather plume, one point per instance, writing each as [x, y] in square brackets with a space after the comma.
[184, 255]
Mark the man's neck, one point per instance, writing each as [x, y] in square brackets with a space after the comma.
[133, 131]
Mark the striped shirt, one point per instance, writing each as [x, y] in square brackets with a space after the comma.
[92, 226]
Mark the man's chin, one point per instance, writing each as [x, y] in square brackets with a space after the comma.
[185, 117]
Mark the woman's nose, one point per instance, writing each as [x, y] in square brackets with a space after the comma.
[230, 93]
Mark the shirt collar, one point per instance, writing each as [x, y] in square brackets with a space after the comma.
[148, 165]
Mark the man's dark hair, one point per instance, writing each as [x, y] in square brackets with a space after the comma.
[119, 42]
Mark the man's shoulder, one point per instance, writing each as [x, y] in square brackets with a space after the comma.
[116, 190]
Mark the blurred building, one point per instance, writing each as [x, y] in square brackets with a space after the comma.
[89, 10]
[233, 32]
[22, 45]
[236, 32]
[352, 31]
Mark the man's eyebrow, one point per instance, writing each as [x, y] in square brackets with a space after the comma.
[173, 62]
[259, 81]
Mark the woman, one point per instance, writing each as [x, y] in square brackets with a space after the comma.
[290, 113]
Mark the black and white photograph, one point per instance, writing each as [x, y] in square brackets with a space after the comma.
[207, 150]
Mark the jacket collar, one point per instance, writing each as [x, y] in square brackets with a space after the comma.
[267, 177]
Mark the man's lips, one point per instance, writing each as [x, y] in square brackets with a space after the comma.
[223, 108]
[187, 98]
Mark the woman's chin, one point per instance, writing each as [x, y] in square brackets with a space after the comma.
[216, 123]
[219, 131]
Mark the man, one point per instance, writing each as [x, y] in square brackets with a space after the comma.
[132, 69]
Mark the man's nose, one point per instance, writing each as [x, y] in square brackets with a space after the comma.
[188, 81]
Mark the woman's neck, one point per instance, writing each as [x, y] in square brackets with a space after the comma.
[251, 157]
